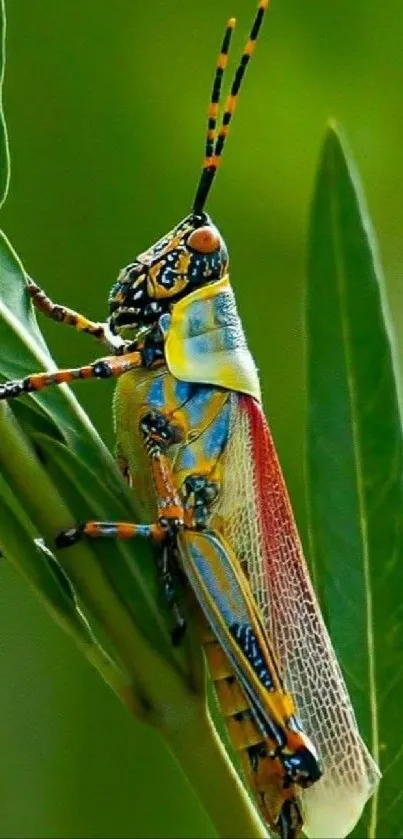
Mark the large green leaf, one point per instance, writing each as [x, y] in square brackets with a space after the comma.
[24, 351]
[354, 469]
[35, 562]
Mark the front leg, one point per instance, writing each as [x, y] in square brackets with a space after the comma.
[103, 368]
[62, 314]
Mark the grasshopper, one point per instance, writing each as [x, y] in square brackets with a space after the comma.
[193, 443]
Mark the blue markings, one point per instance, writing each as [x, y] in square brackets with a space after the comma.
[186, 460]
[221, 599]
[164, 322]
[183, 391]
[216, 435]
[202, 345]
[197, 405]
[233, 339]
[168, 276]
[156, 396]
[108, 531]
[223, 309]
[197, 318]
[215, 568]
[294, 723]
[246, 639]
[144, 530]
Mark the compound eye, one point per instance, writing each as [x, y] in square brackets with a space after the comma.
[204, 240]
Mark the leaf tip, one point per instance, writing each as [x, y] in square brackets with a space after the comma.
[335, 142]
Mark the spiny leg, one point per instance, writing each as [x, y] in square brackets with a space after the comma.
[103, 368]
[158, 434]
[62, 314]
[108, 530]
[127, 530]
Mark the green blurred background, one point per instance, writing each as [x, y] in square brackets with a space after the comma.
[105, 104]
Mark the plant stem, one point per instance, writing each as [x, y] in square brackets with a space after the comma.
[201, 753]
[31, 484]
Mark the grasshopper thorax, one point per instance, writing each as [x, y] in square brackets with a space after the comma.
[189, 256]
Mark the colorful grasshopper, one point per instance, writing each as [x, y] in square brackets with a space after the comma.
[193, 442]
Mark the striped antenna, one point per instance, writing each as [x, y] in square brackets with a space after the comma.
[214, 151]
[216, 93]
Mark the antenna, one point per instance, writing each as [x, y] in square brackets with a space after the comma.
[215, 144]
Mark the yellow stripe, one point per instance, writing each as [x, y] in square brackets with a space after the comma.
[250, 46]
[215, 161]
[222, 60]
[230, 104]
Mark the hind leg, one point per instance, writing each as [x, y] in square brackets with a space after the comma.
[158, 434]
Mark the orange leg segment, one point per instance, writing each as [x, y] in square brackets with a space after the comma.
[61, 314]
[103, 368]
[108, 530]
[159, 433]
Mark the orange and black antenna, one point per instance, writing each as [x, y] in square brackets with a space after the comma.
[216, 93]
[214, 143]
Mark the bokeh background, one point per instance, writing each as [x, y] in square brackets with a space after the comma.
[105, 104]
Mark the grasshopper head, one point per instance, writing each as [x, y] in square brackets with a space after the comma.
[190, 255]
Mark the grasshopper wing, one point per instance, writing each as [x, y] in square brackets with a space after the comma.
[224, 595]
[257, 520]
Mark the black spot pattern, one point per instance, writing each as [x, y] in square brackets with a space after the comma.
[247, 641]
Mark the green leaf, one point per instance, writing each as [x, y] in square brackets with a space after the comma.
[354, 468]
[23, 351]
[4, 153]
[36, 563]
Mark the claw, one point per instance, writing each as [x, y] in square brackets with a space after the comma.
[289, 824]
[67, 538]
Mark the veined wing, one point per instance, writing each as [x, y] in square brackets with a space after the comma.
[258, 522]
